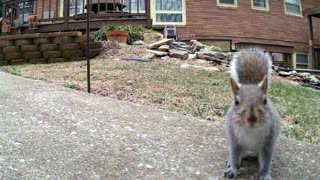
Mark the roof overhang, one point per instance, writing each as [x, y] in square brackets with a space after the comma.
[314, 12]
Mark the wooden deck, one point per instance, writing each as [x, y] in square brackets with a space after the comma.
[71, 15]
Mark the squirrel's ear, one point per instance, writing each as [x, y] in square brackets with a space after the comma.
[264, 84]
[234, 86]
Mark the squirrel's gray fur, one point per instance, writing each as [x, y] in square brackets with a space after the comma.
[250, 66]
[253, 123]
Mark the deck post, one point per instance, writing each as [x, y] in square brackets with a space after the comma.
[311, 44]
[3, 10]
[148, 11]
[65, 13]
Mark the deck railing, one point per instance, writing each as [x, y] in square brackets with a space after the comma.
[50, 11]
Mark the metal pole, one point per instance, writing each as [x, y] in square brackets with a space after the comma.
[88, 44]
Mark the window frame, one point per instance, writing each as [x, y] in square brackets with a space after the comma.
[260, 8]
[154, 12]
[293, 14]
[235, 5]
[24, 11]
[61, 8]
[295, 59]
[76, 8]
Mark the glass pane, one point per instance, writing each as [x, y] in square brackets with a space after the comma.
[227, 1]
[293, 2]
[302, 59]
[259, 3]
[301, 66]
[293, 9]
[134, 5]
[73, 9]
[24, 11]
[168, 17]
[169, 5]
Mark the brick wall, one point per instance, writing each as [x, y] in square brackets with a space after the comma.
[206, 19]
[46, 48]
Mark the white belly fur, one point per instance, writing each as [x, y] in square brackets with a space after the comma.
[251, 138]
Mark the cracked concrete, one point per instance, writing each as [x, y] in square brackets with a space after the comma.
[52, 132]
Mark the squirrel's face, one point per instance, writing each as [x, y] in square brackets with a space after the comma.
[250, 102]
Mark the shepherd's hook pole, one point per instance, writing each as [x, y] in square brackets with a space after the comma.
[88, 43]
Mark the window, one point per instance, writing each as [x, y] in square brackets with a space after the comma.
[25, 9]
[293, 7]
[169, 12]
[260, 4]
[17, 14]
[76, 7]
[228, 3]
[301, 61]
[137, 6]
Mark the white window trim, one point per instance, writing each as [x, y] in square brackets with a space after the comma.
[61, 8]
[295, 58]
[153, 14]
[293, 14]
[235, 5]
[260, 8]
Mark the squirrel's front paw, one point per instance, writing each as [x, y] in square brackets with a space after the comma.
[227, 164]
[266, 177]
[229, 173]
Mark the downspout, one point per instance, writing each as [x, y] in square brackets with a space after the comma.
[311, 44]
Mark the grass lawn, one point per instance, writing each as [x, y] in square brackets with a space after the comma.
[165, 85]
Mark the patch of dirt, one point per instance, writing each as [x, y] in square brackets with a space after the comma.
[116, 51]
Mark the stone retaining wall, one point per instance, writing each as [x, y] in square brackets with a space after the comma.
[46, 48]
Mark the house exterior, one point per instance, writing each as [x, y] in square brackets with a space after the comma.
[278, 26]
[256, 23]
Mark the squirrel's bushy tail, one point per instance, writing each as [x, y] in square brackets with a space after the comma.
[250, 66]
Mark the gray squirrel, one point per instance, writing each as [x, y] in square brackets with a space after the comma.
[253, 123]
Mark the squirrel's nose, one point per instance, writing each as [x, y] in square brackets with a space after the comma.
[252, 119]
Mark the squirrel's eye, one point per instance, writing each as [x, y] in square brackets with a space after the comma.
[236, 102]
[265, 101]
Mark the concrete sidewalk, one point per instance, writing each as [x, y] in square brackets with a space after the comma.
[52, 132]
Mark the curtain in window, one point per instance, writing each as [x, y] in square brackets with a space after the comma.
[134, 5]
[169, 5]
[169, 11]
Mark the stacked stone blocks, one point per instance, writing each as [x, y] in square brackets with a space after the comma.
[46, 48]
